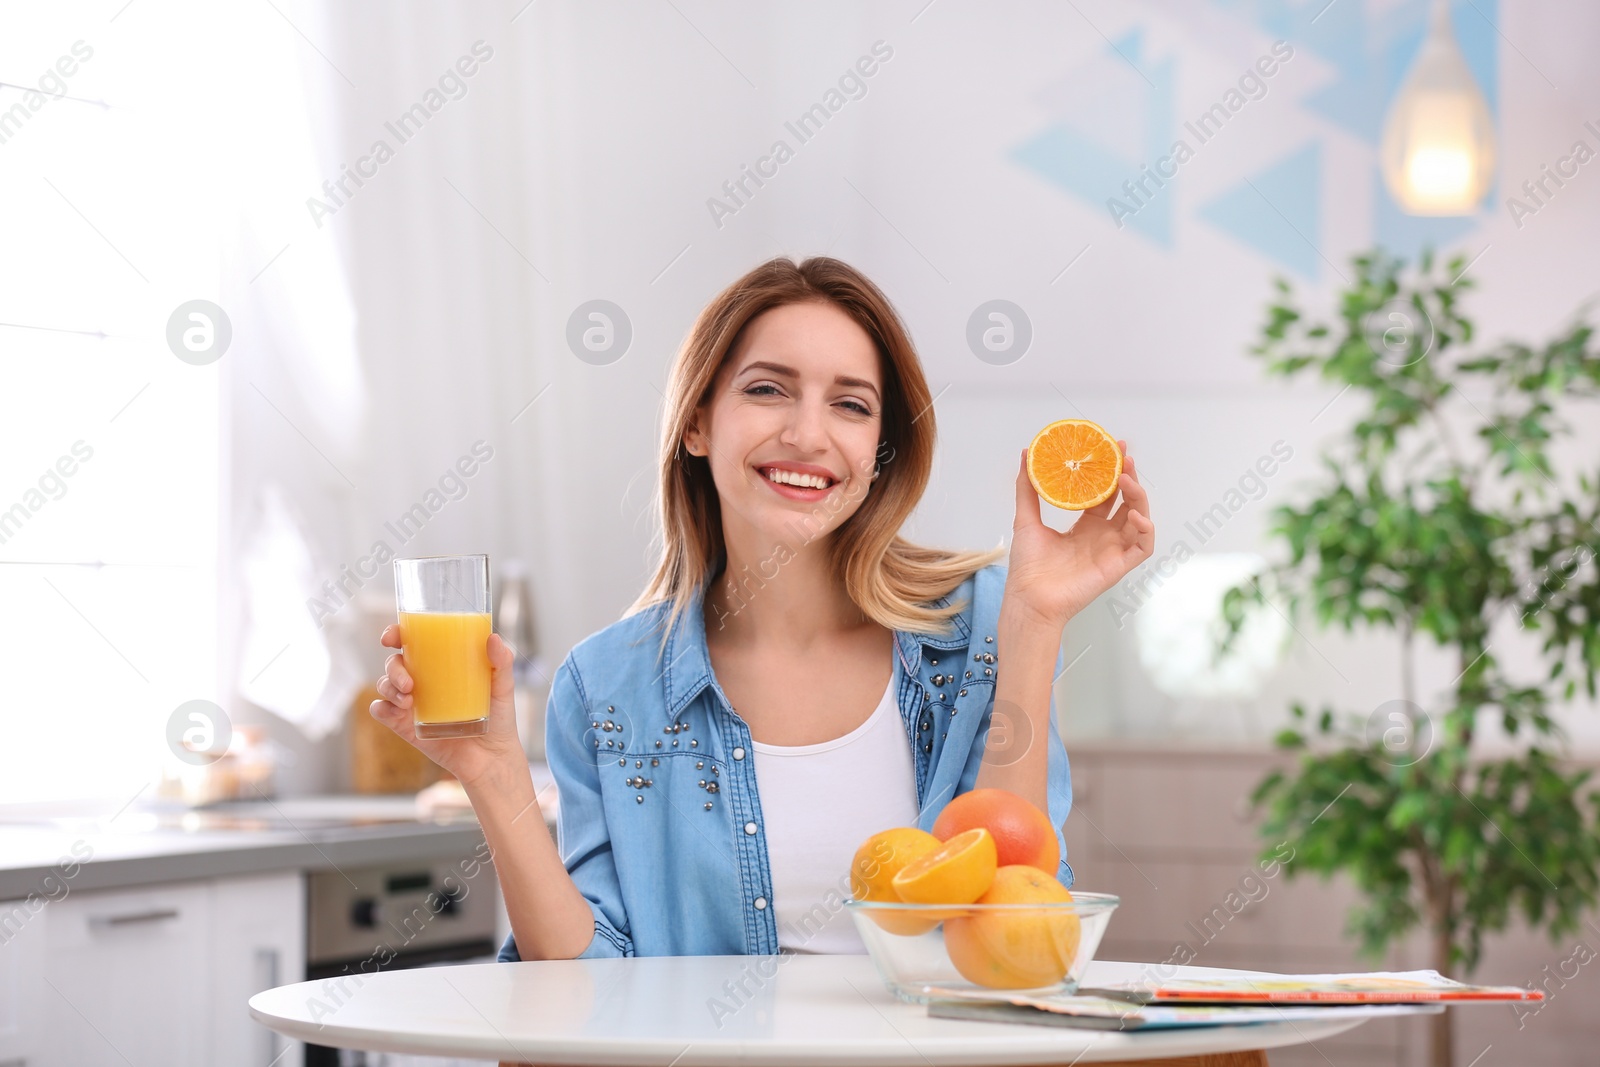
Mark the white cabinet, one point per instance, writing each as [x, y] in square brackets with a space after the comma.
[258, 939]
[21, 961]
[125, 977]
[157, 975]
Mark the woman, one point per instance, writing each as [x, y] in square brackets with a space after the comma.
[796, 676]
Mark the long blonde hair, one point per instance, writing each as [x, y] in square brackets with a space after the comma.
[887, 577]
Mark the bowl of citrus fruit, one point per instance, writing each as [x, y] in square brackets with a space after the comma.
[975, 903]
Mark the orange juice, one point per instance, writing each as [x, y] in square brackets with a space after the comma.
[447, 655]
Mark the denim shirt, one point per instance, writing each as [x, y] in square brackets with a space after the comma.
[659, 819]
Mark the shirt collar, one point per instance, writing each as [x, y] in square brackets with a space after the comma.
[687, 667]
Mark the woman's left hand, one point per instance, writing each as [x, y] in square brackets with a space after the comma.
[1055, 575]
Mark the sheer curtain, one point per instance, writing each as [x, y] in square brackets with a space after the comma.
[295, 390]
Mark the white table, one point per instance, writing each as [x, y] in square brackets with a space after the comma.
[794, 1011]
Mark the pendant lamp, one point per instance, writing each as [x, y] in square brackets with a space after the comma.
[1438, 150]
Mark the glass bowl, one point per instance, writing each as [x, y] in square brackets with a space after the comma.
[1040, 948]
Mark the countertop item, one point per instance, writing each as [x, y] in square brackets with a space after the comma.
[87, 848]
[768, 1011]
[381, 763]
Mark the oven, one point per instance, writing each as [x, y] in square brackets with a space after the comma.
[367, 920]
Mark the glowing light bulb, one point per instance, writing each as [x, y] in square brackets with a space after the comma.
[1438, 149]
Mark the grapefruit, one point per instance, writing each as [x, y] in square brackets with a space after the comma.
[1022, 833]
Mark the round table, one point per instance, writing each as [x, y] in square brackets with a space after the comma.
[772, 1011]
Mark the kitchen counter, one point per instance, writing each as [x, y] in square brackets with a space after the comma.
[147, 844]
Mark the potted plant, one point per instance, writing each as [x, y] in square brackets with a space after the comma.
[1441, 518]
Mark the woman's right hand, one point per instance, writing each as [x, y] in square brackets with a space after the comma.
[473, 760]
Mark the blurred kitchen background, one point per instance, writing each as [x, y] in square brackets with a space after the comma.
[294, 287]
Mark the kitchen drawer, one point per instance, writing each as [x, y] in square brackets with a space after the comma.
[1224, 902]
[127, 978]
[1078, 832]
[1179, 804]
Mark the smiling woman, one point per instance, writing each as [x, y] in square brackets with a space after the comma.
[714, 780]
[806, 370]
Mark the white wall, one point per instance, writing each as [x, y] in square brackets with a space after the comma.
[590, 142]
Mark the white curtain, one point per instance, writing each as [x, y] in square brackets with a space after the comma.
[296, 388]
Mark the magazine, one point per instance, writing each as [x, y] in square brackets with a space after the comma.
[1376, 987]
[1104, 1013]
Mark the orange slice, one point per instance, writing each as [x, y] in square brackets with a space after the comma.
[957, 872]
[1074, 464]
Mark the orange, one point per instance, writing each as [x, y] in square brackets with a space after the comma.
[1022, 833]
[1020, 948]
[877, 861]
[957, 872]
[1074, 464]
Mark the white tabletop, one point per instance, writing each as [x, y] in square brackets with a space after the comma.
[776, 1011]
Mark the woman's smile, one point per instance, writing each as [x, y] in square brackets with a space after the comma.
[798, 481]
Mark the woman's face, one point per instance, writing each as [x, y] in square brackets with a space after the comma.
[799, 399]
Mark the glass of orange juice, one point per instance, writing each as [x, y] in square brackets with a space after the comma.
[443, 604]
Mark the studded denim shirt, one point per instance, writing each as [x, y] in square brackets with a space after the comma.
[659, 817]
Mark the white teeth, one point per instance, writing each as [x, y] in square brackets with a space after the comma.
[805, 481]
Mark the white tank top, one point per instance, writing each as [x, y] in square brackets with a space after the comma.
[818, 803]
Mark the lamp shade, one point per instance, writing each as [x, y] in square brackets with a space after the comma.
[1438, 151]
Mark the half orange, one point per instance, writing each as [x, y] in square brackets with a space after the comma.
[957, 872]
[1074, 464]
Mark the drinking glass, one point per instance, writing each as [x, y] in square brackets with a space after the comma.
[443, 605]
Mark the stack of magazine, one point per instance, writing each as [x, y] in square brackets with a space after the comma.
[1223, 1001]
